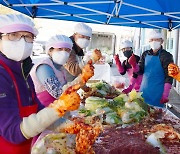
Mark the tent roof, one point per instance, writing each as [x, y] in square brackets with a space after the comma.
[135, 13]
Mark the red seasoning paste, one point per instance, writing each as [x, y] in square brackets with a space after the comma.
[132, 139]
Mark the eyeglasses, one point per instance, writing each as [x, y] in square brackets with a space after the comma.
[83, 36]
[17, 36]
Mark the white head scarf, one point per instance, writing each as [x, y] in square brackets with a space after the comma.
[16, 22]
[59, 41]
[126, 44]
[83, 29]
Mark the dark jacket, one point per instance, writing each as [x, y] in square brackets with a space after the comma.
[76, 48]
[9, 112]
[165, 57]
[72, 65]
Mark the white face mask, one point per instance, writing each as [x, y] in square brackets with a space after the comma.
[60, 57]
[155, 45]
[16, 50]
[82, 42]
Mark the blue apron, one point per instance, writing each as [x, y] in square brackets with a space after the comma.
[152, 84]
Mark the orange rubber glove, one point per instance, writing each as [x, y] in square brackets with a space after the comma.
[174, 71]
[96, 55]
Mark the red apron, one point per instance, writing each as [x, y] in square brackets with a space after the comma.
[24, 111]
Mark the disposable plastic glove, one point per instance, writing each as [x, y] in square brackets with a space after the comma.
[87, 73]
[118, 64]
[36, 123]
[173, 71]
[69, 84]
[132, 62]
[164, 98]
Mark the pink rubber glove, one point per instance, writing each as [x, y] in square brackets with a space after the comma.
[127, 90]
[118, 64]
[167, 88]
[132, 83]
[132, 62]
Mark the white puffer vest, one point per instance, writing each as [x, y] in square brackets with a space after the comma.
[60, 74]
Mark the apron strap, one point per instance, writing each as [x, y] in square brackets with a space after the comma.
[14, 81]
[33, 98]
[24, 147]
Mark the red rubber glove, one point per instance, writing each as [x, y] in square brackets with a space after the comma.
[132, 62]
[118, 64]
[127, 90]
[164, 100]
[116, 58]
[167, 88]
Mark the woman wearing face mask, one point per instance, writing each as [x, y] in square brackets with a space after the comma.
[156, 83]
[130, 66]
[81, 39]
[49, 75]
[22, 115]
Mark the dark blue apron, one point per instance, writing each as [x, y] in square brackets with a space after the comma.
[152, 84]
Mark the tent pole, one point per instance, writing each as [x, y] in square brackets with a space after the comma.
[176, 45]
[27, 9]
[7, 3]
[70, 15]
[109, 17]
[36, 4]
[176, 55]
[176, 26]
